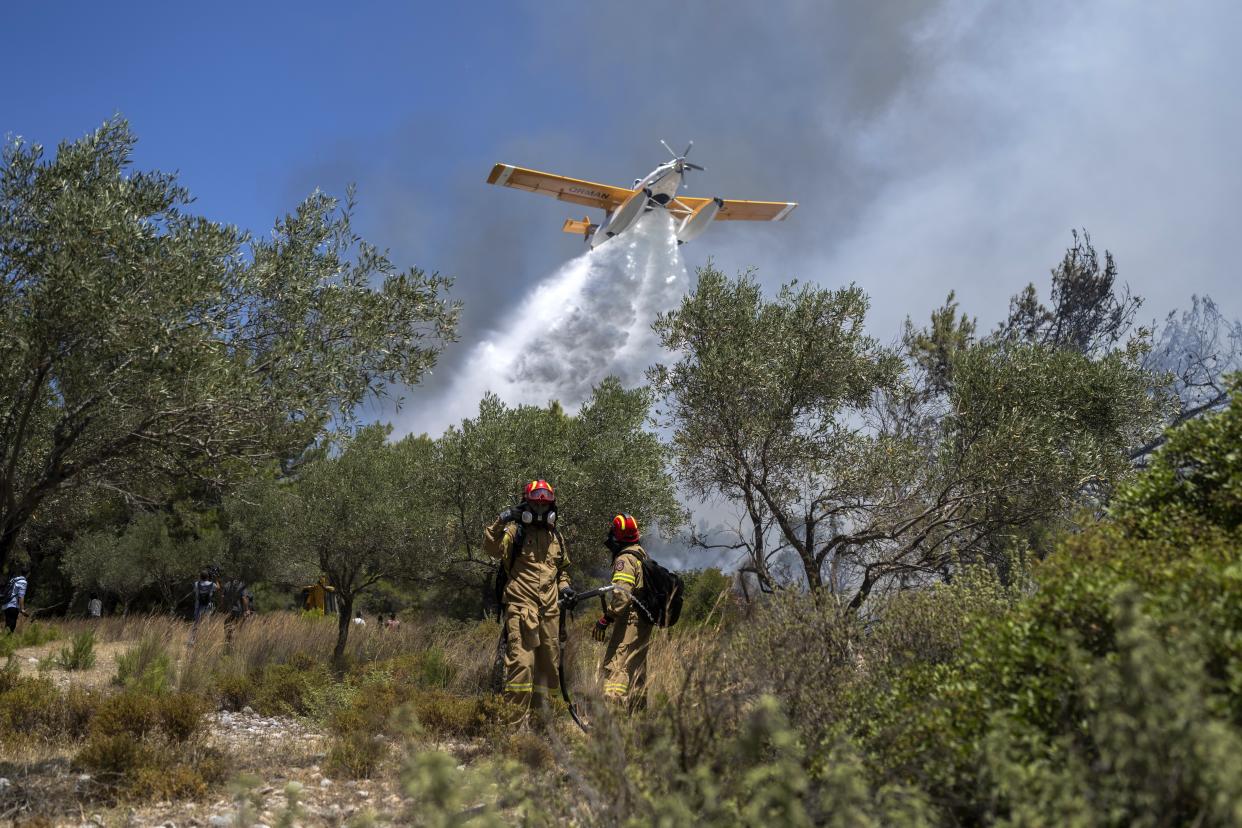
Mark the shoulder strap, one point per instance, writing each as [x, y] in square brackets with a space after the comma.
[515, 548]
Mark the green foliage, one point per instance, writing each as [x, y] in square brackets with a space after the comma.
[705, 595]
[358, 517]
[33, 634]
[144, 346]
[143, 554]
[761, 398]
[1197, 473]
[601, 461]
[80, 654]
[303, 687]
[440, 794]
[146, 667]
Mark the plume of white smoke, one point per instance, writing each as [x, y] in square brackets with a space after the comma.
[588, 320]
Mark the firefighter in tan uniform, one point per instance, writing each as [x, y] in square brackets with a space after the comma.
[625, 659]
[533, 554]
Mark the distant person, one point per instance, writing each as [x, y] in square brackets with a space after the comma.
[392, 623]
[240, 608]
[15, 600]
[359, 621]
[94, 607]
[205, 590]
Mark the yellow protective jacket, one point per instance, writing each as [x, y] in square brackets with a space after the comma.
[627, 575]
[538, 572]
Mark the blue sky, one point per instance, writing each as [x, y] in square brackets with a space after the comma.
[932, 144]
[240, 97]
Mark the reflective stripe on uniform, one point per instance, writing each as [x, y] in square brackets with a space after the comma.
[616, 688]
[519, 687]
[624, 576]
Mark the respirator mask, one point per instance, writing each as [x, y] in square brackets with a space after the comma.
[539, 513]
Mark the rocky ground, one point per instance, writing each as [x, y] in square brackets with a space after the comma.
[277, 764]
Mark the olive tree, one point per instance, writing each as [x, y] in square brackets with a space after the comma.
[765, 400]
[357, 517]
[602, 460]
[142, 554]
[141, 344]
[869, 468]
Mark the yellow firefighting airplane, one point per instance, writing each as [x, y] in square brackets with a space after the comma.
[623, 205]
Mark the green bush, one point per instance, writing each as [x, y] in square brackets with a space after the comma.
[80, 654]
[33, 634]
[705, 593]
[146, 667]
[303, 687]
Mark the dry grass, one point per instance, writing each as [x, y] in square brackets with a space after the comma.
[457, 657]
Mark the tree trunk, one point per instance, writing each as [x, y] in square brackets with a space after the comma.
[345, 617]
[8, 539]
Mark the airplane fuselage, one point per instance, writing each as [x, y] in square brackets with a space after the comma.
[658, 189]
[662, 183]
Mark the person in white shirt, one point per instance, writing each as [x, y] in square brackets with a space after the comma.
[359, 621]
[94, 607]
[15, 598]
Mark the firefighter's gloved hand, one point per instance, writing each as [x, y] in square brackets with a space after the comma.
[567, 595]
[600, 631]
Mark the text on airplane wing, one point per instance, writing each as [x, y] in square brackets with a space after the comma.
[574, 190]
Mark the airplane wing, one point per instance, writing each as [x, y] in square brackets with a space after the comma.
[734, 210]
[573, 190]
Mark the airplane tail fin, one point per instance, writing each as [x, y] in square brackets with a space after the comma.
[585, 227]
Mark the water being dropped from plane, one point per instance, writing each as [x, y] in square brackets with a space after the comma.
[589, 319]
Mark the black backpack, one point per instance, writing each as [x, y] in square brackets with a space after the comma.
[661, 594]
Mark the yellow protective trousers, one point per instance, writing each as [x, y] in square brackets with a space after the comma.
[532, 650]
[625, 661]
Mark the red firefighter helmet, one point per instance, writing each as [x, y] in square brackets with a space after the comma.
[625, 529]
[539, 491]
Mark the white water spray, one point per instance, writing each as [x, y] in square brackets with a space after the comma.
[589, 319]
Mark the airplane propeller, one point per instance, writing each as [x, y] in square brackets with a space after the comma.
[681, 159]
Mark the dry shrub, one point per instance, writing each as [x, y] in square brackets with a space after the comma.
[144, 746]
[444, 714]
[234, 691]
[32, 709]
[531, 750]
[175, 716]
[130, 767]
[355, 755]
[800, 648]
